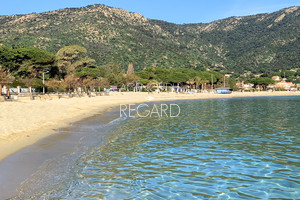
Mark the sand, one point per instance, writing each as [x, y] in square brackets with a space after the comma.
[24, 123]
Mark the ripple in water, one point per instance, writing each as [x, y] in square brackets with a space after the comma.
[216, 149]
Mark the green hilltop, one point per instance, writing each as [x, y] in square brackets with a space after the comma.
[255, 43]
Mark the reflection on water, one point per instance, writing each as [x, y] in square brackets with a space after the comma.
[216, 149]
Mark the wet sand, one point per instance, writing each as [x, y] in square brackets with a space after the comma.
[20, 167]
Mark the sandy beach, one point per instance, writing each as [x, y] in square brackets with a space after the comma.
[25, 122]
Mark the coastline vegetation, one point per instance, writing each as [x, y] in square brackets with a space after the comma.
[71, 67]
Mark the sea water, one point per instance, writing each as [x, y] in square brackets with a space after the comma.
[241, 148]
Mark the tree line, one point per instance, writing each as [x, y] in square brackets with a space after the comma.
[68, 69]
[71, 68]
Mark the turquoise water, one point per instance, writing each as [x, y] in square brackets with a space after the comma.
[216, 149]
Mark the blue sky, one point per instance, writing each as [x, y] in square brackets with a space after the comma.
[176, 11]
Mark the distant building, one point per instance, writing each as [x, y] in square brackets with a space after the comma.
[228, 75]
[248, 86]
[224, 90]
[243, 86]
[276, 78]
[284, 85]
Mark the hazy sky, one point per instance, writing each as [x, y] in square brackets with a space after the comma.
[177, 11]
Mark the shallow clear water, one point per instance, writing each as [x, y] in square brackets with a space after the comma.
[243, 148]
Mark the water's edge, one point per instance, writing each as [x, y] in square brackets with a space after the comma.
[21, 166]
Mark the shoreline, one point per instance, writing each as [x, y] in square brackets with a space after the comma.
[25, 123]
[21, 170]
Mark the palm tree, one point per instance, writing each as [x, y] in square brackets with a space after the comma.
[5, 78]
[200, 81]
[191, 82]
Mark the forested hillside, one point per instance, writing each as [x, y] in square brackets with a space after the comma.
[114, 36]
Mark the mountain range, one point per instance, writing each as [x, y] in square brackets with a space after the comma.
[254, 43]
